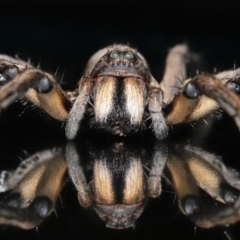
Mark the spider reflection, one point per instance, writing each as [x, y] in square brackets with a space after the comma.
[116, 179]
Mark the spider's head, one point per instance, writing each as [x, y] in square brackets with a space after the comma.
[120, 61]
[121, 77]
[119, 186]
[120, 216]
[122, 93]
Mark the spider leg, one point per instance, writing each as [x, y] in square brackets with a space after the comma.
[221, 183]
[77, 175]
[77, 112]
[184, 184]
[203, 95]
[191, 99]
[214, 89]
[194, 169]
[209, 176]
[29, 217]
[16, 61]
[175, 71]
[216, 215]
[40, 88]
[157, 166]
[8, 71]
[32, 190]
[48, 95]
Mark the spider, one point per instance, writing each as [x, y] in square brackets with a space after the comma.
[116, 180]
[118, 94]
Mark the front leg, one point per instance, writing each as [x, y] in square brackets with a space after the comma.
[158, 164]
[32, 189]
[155, 109]
[76, 173]
[77, 112]
[19, 80]
[214, 89]
[203, 95]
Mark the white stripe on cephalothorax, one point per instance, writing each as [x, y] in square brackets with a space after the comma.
[103, 183]
[104, 98]
[134, 95]
[134, 182]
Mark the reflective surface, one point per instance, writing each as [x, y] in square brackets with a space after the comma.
[150, 185]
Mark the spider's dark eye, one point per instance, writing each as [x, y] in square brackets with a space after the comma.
[128, 55]
[114, 55]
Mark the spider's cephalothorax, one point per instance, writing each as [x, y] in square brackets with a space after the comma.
[121, 81]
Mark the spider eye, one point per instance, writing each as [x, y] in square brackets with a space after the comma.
[112, 223]
[126, 223]
[129, 55]
[114, 55]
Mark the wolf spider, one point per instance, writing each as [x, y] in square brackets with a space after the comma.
[116, 179]
[119, 95]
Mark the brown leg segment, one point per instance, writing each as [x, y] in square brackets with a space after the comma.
[190, 105]
[20, 79]
[35, 193]
[184, 184]
[39, 88]
[211, 87]
[208, 177]
[215, 179]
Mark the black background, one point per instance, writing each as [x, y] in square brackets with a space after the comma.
[65, 33]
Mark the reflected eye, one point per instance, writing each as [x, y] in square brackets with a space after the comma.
[112, 223]
[114, 55]
[129, 55]
[126, 223]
